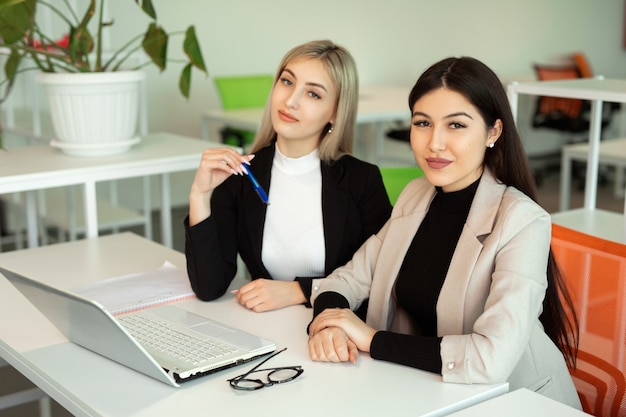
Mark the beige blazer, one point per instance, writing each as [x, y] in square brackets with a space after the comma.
[488, 308]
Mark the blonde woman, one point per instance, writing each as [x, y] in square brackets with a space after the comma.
[323, 203]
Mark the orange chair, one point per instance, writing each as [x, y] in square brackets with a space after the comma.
[595, 271]
[567, 114]
[556, 112]
[606, 396]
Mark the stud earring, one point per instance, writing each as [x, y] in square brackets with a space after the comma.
[491, 145]
[330, 129]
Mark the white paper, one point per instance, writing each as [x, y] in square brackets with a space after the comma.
[136, 291]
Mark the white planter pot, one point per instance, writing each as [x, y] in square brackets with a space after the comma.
[94, 114]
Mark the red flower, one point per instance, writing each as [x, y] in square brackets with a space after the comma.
[64, 42]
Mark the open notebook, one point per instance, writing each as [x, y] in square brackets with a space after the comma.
[137, 339]
[140, 290]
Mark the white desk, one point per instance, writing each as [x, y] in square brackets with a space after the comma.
[596, 90]
[90, 385]
[610, 152]
[604, 223]
[520, 403]
[39, 167]
[377, 104]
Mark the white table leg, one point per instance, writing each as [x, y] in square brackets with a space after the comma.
[591, 185]
[31, 219]
[566, 180]
[166, 211]
[91, 209]
[147, 206]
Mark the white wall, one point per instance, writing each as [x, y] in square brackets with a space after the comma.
[393, 41]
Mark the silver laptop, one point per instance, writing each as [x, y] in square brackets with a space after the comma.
[126, 338]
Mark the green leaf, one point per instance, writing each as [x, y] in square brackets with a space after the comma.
[15, 19]
[6, 3]
[146, 6]
[12, 64]
[81, 44]
[191, 46]
[155, 45]
[184, 83]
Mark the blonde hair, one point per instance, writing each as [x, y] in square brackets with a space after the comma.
[343, 73]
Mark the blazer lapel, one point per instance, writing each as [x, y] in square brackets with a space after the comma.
[399, 233]
[334, 209]
[480, 221]
[252, 208]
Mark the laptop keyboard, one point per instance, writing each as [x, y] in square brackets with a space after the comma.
[158, 335]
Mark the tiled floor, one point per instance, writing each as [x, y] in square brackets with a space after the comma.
[396, 153]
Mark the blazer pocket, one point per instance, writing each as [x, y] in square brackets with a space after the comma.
[542, 385]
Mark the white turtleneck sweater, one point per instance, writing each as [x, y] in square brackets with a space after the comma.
[293, 238]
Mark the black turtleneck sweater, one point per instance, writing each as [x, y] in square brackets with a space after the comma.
[419, 282]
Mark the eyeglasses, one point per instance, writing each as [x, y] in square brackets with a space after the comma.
[275, 376]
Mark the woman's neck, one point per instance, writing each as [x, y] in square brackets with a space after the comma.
[295, 148]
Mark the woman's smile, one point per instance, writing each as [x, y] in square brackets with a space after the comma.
[438, 163]
[286, 117]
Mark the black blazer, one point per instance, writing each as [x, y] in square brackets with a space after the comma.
[355, 206]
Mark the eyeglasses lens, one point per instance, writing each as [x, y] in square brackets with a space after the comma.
[248, 384]
[283, 375]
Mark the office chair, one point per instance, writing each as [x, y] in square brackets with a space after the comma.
[595, 273]
[396, 178]
[606, 399]
[242, 92]
[570, 116]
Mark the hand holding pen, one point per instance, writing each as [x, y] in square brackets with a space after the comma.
[257, 187]
[216, 165]
[243, 168]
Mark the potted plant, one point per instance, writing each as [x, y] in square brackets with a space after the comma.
[79, 56]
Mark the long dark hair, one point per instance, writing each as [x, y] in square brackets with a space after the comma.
[507, 160]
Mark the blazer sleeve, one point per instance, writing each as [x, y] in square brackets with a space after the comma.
[211, 246]
[497, 333]
[350, 282]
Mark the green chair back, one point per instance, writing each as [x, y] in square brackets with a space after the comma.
[396, 178]
[242, 92]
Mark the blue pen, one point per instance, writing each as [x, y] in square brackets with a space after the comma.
[257, 187]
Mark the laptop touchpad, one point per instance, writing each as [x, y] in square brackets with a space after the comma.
[212, 329]
[193, 321]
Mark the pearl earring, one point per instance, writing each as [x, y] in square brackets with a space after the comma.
[330, 129]
[491, 145]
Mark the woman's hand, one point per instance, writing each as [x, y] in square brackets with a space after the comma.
[332, 345]
[268, 294]
[216, 165]
[355, 329]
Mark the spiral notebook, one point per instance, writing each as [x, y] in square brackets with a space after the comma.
[141, 290]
